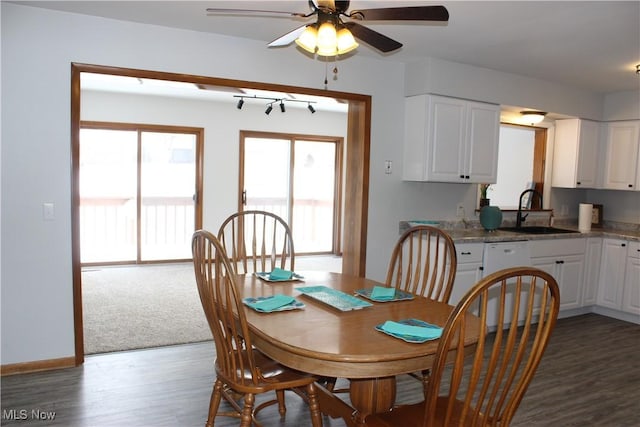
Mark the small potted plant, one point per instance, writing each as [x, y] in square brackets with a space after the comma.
[484, 200]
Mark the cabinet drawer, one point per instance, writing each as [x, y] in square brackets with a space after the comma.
[469, 252]
[557, 247]
[633, 250]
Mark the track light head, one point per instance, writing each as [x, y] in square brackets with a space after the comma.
[240, 104]
[268, 110]
[310, 107]
[282, 109]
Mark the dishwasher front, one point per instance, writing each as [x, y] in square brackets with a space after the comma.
[498, 256]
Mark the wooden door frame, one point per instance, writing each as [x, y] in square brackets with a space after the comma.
[356, 169]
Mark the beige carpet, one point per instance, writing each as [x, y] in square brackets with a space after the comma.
[132, 307]
[128, 308]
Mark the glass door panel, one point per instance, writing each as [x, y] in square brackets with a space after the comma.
[167, 188]
[266, 175]
[313, 196]
[108, 188]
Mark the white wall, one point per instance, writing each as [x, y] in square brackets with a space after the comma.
[442, 77]
[222, 123]
[38, 47]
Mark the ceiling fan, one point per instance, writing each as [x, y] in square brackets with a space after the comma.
[330, 35]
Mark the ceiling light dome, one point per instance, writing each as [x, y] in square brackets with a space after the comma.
[533, 117]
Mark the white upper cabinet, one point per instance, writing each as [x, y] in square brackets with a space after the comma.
[621, 161]
[450, 140]
[575, 154]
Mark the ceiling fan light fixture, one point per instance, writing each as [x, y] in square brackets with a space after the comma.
[327, 40]
[308, 39]
[346, 41]
[533, 117]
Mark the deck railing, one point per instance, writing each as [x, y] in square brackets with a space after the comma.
[108, 227]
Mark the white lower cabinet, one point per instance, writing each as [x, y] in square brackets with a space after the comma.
[591, 271]
[592, 258]
[612, 272]
[564, 260]
[469, 269]
[631, 292]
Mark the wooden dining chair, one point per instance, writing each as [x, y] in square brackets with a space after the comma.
[423, 262]
[257, 241]
[485, 386]
[241, 370]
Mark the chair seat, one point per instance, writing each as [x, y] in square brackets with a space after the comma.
[272, 376]
[413, 416]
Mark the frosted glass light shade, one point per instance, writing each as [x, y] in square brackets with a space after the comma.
[346, 42]
[533, 117]
[308, 39]
[327, 39]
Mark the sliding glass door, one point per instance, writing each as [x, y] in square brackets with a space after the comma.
[295, 177]
[137, 194]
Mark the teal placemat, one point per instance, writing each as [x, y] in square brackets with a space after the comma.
[269, 277]
[334, 298]
[273, 303]
[398, 295]
[411, 330]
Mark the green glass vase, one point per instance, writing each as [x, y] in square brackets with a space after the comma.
[490, 217]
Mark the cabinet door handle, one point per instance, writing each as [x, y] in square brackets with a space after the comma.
[630, 185]
[578, 183]
[465, 253]
[467, 177]
[462, 176]
[481, 268]
[623, 245]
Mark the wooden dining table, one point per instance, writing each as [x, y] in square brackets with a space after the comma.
[328, 342]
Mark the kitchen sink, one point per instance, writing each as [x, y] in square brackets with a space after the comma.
[537, 229]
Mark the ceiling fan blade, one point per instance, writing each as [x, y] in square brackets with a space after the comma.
[287, 38]
[372, 38]
[410, 13]
[255, 12]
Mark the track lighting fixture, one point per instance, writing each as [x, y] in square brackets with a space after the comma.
[272, 101]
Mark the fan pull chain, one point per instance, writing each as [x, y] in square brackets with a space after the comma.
[326, 68]
[326, 71]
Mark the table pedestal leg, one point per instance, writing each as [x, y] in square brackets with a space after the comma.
[372, 395]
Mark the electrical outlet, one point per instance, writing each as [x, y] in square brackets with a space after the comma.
[388, 167]
[460, 211]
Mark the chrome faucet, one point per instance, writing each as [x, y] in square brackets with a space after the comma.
[520, 218]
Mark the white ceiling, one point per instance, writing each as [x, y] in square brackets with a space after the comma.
[591, 45]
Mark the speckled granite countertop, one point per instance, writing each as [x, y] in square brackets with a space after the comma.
[473, 233]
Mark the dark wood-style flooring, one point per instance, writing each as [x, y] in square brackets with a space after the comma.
[589, 376]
